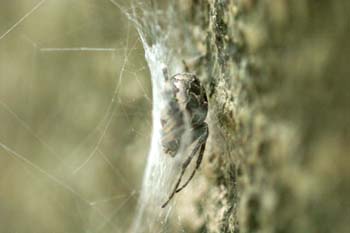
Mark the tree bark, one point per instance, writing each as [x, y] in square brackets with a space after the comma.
[275, 71]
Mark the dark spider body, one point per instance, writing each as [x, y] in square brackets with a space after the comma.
[188, 106]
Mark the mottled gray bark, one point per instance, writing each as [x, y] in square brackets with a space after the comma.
[276, 72]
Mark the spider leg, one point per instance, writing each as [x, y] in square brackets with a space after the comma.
[202, 143]
[183, 169]
[187, 69]
[165, 73]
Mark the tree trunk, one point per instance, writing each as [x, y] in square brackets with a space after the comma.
[277, 157]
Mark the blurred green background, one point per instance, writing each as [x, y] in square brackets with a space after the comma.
[56, 112]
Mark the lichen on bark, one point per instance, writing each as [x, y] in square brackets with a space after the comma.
[275, 72]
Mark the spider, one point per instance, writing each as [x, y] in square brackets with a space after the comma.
[187, 104]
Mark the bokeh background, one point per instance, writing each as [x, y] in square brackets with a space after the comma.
[74, 124]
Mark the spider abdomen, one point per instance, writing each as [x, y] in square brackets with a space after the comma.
[187, 108]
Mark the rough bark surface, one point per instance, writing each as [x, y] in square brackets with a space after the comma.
[278, 152]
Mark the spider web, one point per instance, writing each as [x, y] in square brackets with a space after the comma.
[75, 107]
